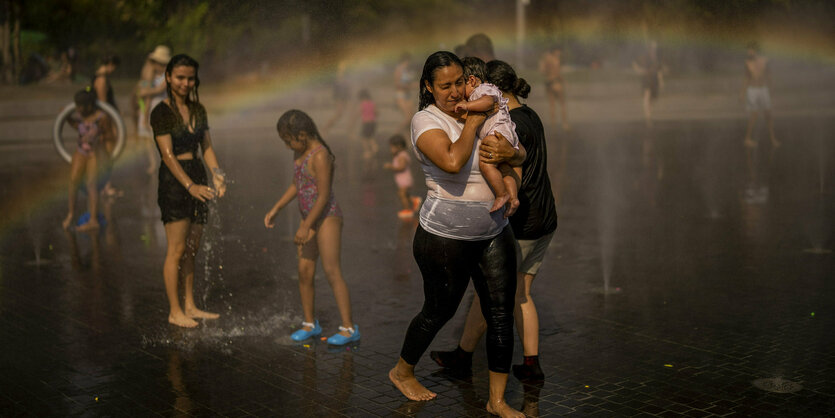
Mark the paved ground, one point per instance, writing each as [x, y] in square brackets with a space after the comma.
[669, 289]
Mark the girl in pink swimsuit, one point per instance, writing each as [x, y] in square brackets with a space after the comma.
[91, 124]
[320, 232]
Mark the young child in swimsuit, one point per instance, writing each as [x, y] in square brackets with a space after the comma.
[320, 231]
[481, 98]
[92, 125]
[400, 165]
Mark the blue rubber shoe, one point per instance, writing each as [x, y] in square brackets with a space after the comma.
[339, 339]
[301, 334]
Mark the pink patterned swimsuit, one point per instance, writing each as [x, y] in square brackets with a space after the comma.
[88, 133]
[308, 192]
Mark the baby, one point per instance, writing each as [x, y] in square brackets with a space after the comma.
[481, 98]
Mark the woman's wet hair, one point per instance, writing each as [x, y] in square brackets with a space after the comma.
[398, 141]
[293, 122]
[501, 74]
[193, 99]
[474, 66]
[85, 97]
[434, 62]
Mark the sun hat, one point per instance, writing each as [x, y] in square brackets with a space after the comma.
[161, 54]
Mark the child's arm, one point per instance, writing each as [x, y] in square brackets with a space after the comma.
[286, 198]
[398, 165]
[106, 128]
[482, 104]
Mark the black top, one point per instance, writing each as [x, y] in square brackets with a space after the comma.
[537, 213]
[111, 98]
[165, 121]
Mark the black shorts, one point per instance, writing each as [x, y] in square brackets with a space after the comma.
[368, 129]
[175, 202]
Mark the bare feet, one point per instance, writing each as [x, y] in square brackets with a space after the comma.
[499, 202]
[197, 313]
[503, 410]
[410, 387]
[181, 320]
[67, 222]
[89, 226]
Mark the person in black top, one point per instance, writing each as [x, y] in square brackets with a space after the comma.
[104, 93]
[181, 127]
[534, 224]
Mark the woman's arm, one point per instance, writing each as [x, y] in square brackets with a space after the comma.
[450, 156]
[498, 150]
[100, 85]
[218, 177]
[199, 191]
[286, 198]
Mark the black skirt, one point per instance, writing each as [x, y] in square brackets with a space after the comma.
[175, 202]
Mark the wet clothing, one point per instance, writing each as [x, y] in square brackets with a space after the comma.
[537, 213]
[447, 265]
[165, 120]
[89, 132]
[110, 96]
[403, 179]
[530, 253]
[175, 201]
[457, 205]
[757, 99]
[308, 193]
[499, 121]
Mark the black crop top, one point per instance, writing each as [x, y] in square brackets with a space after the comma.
[165, 121]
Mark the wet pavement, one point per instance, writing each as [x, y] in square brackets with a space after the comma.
[672, 284]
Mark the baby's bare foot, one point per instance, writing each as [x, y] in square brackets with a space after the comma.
[503, 410]
[181, 320]
[499, 202]
[410, 387]
[197, 313]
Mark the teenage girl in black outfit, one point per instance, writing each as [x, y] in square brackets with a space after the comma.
[180, 125]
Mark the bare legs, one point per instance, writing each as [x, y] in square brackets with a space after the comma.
[406, 108]
[183, 242]
[647, 103]
[329, 242]
[83, 166]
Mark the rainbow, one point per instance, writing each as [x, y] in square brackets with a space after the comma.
[247, 92]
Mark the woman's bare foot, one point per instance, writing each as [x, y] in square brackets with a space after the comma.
[181, 320]
[197, 313]
[67, 222]
[410, 387]
[89, 226]
[503, 410]
[499, 202]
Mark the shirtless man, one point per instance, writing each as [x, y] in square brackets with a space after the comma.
[551, 68]
[755, 92]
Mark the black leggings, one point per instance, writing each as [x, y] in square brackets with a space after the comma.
[447, 265]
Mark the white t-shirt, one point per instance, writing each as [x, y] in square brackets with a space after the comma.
[457, 205]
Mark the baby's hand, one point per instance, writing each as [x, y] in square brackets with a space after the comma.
[461, 107]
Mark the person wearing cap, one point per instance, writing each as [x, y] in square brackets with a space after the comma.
[149, 92]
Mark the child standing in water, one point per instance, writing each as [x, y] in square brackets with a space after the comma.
[481, 98]
[92, 124]
[320, 232]
[400, 165]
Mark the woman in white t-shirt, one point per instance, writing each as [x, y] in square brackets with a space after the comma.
[458, 237]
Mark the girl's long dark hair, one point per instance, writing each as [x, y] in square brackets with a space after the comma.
[294, 121]
[193, 99]
[501, 74]
[435, 61]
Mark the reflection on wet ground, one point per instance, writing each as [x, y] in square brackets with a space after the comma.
[670, 287]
